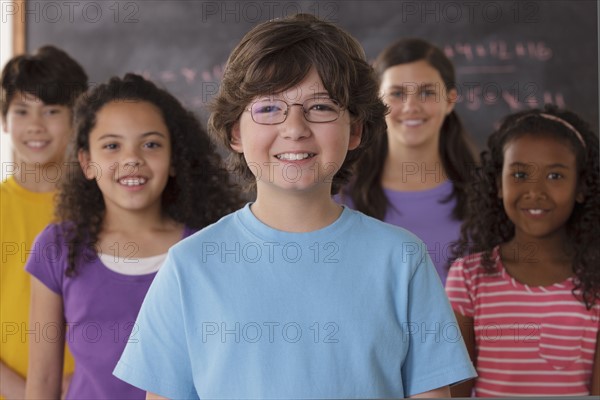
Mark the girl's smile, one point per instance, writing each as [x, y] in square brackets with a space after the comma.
[539, 185]
[418, 104]
[130, 155]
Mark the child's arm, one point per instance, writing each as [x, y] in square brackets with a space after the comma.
[467, 331]
[152, 396]
[12, 385]
[596, 371]
[439, 393]
[44, 375]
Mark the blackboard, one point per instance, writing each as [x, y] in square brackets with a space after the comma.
[509, 55]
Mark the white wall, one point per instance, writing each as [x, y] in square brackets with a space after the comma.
[6, 52]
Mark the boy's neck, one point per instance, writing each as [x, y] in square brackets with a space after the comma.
[294, 212]
[36, 178]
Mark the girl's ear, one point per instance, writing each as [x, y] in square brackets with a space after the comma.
[356, 131]
[451, 98]
[85, 163]
[236, 138]
[580, 197]
[172, 171]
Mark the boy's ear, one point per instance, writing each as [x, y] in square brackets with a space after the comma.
[236, 138]
[4, 127]
[84, 161]
[580, 197]
[356, 131]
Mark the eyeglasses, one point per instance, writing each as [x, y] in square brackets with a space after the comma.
[273, 112]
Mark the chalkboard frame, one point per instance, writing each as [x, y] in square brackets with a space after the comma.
[326, 9]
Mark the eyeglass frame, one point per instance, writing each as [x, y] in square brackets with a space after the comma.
[304, 111]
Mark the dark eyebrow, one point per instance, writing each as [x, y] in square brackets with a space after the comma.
[115, 136]
[320, 94]
[154, 133]
[557, 165]
[522, 165]
[426, 85]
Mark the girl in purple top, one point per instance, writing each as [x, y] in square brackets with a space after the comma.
[415, 175]
[149, 177]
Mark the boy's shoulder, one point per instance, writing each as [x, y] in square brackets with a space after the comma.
[10, 188]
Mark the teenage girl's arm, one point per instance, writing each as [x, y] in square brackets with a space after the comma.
[12, 385]
[596, 371]
[468, 333]
[44, 375]
[152, 396]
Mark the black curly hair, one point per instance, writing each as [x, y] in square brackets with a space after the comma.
[199, 194]
[487, 224]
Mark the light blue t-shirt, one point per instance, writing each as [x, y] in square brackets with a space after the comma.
[242, 310]
[427, 214]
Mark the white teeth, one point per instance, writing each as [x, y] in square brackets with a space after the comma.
[132, 181]
[413, 122]
[36, 143]
[293, 156]
[535, 211]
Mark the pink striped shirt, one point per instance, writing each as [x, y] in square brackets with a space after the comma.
[529, 340]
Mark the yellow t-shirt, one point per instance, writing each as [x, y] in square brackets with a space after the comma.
[23, 215]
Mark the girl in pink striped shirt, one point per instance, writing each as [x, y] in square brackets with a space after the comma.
[527, 295]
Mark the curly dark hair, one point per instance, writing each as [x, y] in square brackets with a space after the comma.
[457, 152]
[277, 55]
[199, 194]
[487, 224]
[50, 74]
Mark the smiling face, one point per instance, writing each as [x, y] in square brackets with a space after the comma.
[418, 102]
[538, 186]
[296, 155]
[39, 132]
[129, 156]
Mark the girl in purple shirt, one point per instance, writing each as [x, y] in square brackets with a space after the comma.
[415, 175]
[149, 177]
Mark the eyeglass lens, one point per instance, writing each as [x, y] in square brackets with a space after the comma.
[271, 112]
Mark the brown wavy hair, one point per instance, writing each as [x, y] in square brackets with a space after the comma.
[456, 150]
[199, 194]
[487, 224]
[277, 55]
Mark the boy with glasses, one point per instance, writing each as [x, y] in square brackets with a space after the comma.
[295, 296]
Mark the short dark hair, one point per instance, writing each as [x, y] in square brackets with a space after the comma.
[50, 74]
[277, 55]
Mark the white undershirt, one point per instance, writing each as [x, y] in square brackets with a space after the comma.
[133, 266]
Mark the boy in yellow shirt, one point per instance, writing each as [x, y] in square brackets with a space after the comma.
[37, 96]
